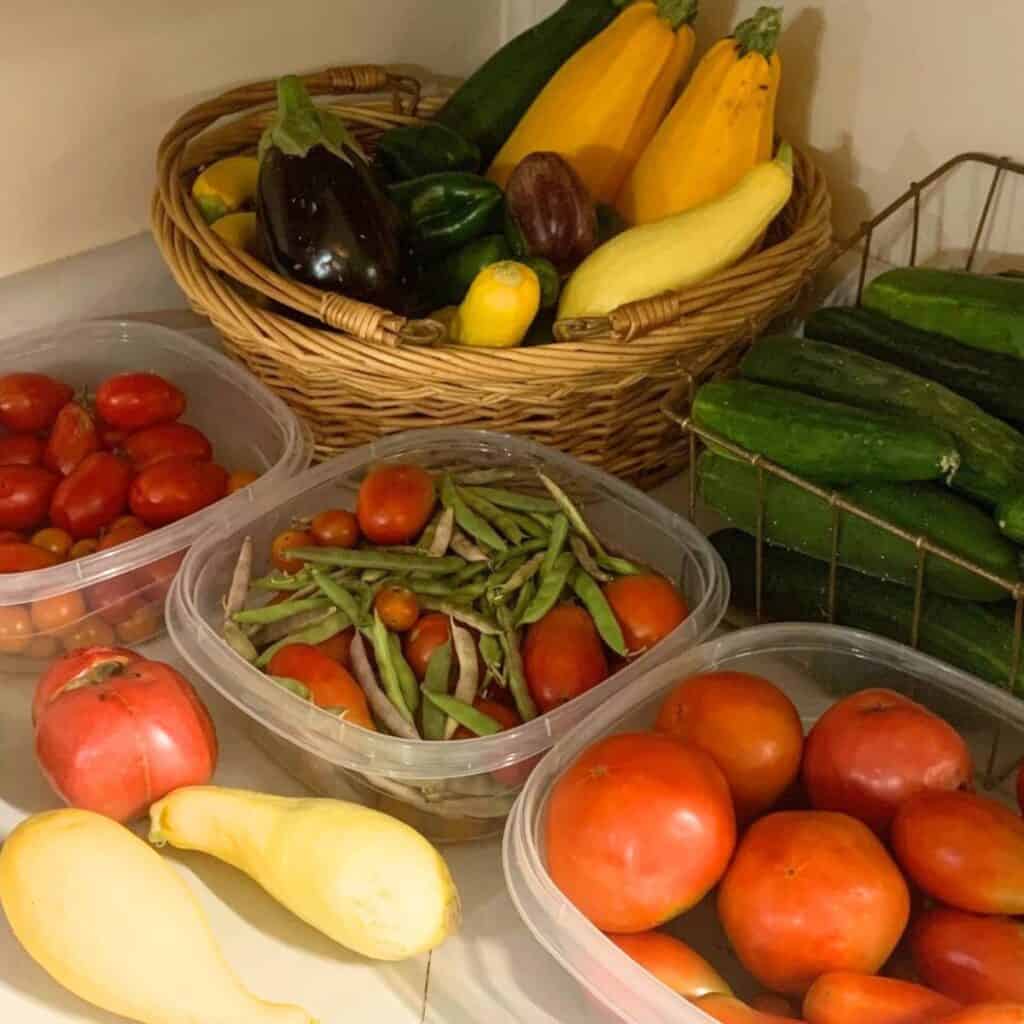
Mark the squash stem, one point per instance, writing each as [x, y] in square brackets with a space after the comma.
[678, 12]
[760, 34]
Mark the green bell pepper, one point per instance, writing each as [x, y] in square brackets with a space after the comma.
[414, 150]
[445, 211]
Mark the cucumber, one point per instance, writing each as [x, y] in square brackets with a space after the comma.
[801, 521]
[492, 101]
[1010, 518]
[977, 638]
[977, 310]
[825, 440]
[992, 381]
[991, 452]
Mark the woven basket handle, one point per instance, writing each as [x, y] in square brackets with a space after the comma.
[625, 323]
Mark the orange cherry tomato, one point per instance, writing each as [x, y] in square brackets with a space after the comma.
[397, 608]
[121, 531]
[768, 1002]
[15, 629]
[284, 541]
[84, 548]
[563, 656]
[57, 542]
[330, 685]
[240, 479]
[339, 647]
[55, 614]
[847, 998]
[335, 528]
[673, 962]
[91, 631]
[395, 503]
[430, 632]
[142, 625]
[648, 609]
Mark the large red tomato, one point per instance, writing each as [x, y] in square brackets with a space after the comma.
[163, 441]
[92, 497]
[134, 401]
[563, 656]
[810, 892]
[73, 437]
[395, 503]
[673, 963]
[25, 494]
[848, 998]
[21, 450]
[962, 849]
[175, 487]
[750, 728]
[969, 957]
[29, 402]
[330, 685]
[648, 609]
[873, 750]
[729, 1010]
[429, 633]
[123, 736]
[987, 1013]
[639, 829]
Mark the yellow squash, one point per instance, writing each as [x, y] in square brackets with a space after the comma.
[226, 186]
[721, 126]
[239, 229]
[604, 105]
[502, 302]
[681, 250]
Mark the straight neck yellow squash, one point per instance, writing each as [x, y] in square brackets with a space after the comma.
[604, 105]
[721, 126]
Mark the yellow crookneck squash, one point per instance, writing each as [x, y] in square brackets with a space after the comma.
[721, 126]
[604, 105]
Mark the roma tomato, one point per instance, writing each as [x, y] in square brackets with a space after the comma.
[335, 528]
[648, 609]
[73, 437]
[15, 629]
[283, 543]
[21, 450]
[749, 727]
[563, 656]
[92, 497]
[339, 647]
[25, 495]
[29, 402]
[117, 744]
[871, 751]
[430, 632]
[987, 1013]
[728, 1010]
[639, 829]
[504, 716]
[164, 441]
[395, 503]
[134, 401]
[673, 962]
[808, 893]
[847, 998]
[969, 957]
[962, 849]
[174, 488]
[22, 557]
[330, 685]
[397, 607]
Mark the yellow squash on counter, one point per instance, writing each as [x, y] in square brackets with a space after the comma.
[721, 126]
[682, 250]
[604, 105]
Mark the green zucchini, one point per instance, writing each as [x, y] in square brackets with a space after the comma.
[991, 452]
[978, 310]
[825, 440]
[493, 100]
[992, 381]
[977, 638]
[801, 521]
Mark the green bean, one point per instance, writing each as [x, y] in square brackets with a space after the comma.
[383, 710]
[523, 599]
[619, 566]
[505, 573]
[292, 686]
[523, 575]
[466, 549]
[340, 598]
[439, 670]
[475, 525]
[432, 587]
[556, 542]
[493, 656]
[235, 638]
[514, 662]
[549, 590]
[467, 686]
[528, 524]
[406, 676]
[590, 593]
[499, 517]
[516, 501]
[373, 575]
[470, 592]
[575, 516]
[358, 558]
[277, 612]
[461, 613]
[543, 519]
[266, 635]
[471, 477]
[443, 535]
[587, 560]
[469, 573]
[524, 550]
[378, 636]
[282, 581]
[464, 714]
[234, 600]
[313, 635]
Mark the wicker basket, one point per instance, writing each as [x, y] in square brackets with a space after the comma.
[356, 372]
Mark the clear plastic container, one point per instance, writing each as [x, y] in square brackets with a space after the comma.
[124, 588]
[815, 665]
[457, 790]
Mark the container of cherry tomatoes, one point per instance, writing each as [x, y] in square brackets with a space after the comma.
[120, 443]
[475, 587]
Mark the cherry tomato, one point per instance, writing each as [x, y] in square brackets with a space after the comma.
[397, 607]
[117, 599]
[121, 531]
[563, 656]
[142, 625]
[134, 401]
[329, 683]
[648, 609]
[847, 998]
[73, 437]
[174, 488]
[504, 716]
[673, 962]
[55, 614]
[92, 631]
[29, 402]
[21, 450]
[160, 575]
[25, 495]
[430, 632]
[22, 557]
[42, 647]
[335, 528]
[84, 548]
[729, 1010]
[164, 441]
[92, 497]
[395, 503]
[57, 542]
[284, 542]
[240, 479]
[339, 647]
[15, 629]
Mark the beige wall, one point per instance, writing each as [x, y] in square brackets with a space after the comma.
[88, 86]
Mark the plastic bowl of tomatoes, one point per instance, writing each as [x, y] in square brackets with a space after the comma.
[119, 444]
[537, 584]
[698, 843]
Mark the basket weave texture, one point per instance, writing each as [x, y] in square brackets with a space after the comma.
[355, 372]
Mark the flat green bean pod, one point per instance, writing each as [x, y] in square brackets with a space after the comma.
[589, 592]
[341, 599]
[575, 516]
[379, 637]
[515, 501]
[292, 686]
[439, 670]
[313, 635]
[556, 542]
[465, 714]
[549, 590]
[500, 518]
[271, 613]
[461, 613]
[494, 658]
[514, 664]
[359, 558]
[475, 525]
[406, 676]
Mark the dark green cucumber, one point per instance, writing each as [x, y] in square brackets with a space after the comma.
[977, 638]
[976, 309]
[825, 440]
[801, 521]
[492, 101]
[991, 452]
[992, 381]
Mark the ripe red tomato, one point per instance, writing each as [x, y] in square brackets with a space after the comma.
[987, 1013]
[747, 725]
[504, 716]
[134, 401]
[175, 487]
[111, 438]
[430, 632]
[22, 557]
[729, 1010]
[125, 740]
[21, 450]
[330, 685]
[164, 441]
[92, 497]
[808, 893]
[25, 494]
[397, 607]
[969, 957]
[870, 752]
[335, 528]
[283, 543]
[339, 647]
[11, 537]
[73, 437]
[639, 828]
[648, 609]
[673, 962]
[964, 850]
[29, 402]
[15, 629]
[563, 656]
[847, 998]
[84, 667]
[395, 503]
